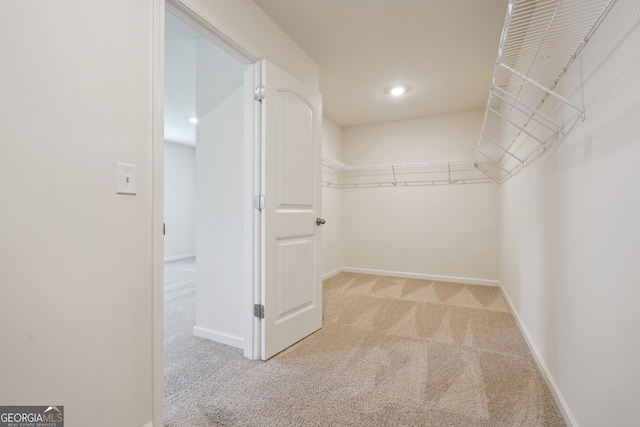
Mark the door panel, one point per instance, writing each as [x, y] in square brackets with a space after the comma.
[295, 152]
[295, 266]
[291, 285]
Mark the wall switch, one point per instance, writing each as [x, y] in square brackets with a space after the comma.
[126, 183]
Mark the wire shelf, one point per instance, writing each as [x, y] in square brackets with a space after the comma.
[336, 174]
[535, 98]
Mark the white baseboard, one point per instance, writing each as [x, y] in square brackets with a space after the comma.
[332, 273]
[179, 257]
[149, 424]
[221, 337]
[555, 391]
[434, 277]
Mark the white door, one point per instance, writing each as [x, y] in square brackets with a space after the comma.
[291, 283]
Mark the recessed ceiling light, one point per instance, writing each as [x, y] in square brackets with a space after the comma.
[399, 90]
[193, 120]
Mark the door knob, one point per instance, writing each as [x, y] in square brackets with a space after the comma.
[320, 221]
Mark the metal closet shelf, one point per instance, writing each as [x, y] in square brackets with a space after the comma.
[336, 174]
[535, 93]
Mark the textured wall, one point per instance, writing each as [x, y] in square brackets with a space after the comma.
[570, 236]
[332, 204]
[179, 200]
[75, 258]
[443, 230]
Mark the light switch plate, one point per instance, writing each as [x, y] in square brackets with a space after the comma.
[126, 180]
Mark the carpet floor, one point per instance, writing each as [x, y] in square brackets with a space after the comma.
[391, 352]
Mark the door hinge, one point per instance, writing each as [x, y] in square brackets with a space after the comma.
[164, 229]
[258, 202]
[258, 311]
[259, 93]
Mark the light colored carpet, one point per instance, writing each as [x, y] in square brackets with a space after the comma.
[392, 352]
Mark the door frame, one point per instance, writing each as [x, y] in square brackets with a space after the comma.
[212, 28]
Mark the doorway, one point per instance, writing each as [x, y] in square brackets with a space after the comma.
[276, 180]
[208, 187]
[204, 110]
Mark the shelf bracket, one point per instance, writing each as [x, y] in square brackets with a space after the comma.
[516, 126]
[542, 88]
[533, 114]
[503, 149]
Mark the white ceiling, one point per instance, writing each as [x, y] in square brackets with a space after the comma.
[444, 49]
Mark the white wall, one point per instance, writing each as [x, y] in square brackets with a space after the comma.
[332, 204]
[221, 200]
[75, 258]
[179, 201]
[428, 139]
[447, 231]
[570, 237]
